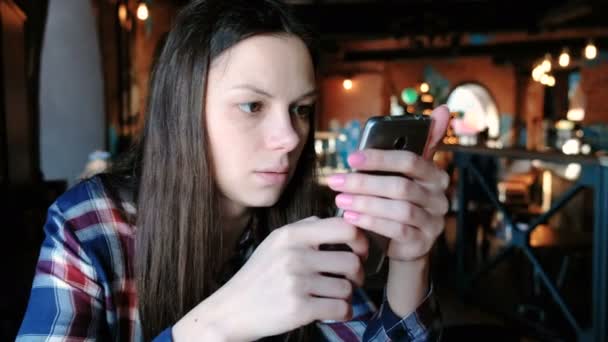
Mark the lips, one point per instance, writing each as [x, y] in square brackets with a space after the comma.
[274, 175]
[280, 169]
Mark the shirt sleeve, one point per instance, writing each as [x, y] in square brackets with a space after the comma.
[165, 336]
[66, 301]
[67, 297]
[371, 325]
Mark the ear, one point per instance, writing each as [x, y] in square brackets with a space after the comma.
[441, 119]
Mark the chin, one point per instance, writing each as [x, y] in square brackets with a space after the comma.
[262, 199]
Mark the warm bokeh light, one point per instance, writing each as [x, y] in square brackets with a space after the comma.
[544, 79]
[122, 13]
[142, 11]
[564, 59]
[590, 51]
[424, 87]
[546, 64]
[571, 146]
[427, 98]
[547, 80]
[347, 84]
[576, 114]
[537, 73]
[573, 171]
[585, 149]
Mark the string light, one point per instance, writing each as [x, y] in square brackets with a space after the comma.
[544, 79]
[546, 64]
[537, 73]
[547, 80]
[347, 84]
[142, 11]
[590, 50]
[564, 58]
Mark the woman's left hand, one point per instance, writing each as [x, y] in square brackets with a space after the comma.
[409, 207]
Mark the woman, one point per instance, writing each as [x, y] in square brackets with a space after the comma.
[207, 231]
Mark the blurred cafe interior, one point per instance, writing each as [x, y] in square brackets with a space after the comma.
[524, 254]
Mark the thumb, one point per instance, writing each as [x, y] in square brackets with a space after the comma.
[441, 119]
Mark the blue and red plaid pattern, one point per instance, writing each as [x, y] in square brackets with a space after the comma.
[84, 288]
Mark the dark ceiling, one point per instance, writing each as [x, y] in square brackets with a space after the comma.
[395, 18]
[373, 19]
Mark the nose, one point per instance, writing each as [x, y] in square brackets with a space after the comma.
[282, 134]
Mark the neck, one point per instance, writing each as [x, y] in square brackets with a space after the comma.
[235, 219]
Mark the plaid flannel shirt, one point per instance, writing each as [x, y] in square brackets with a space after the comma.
[84, 287]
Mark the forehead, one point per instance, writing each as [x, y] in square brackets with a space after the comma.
[277, 63]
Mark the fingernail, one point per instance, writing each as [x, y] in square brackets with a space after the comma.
[356, 159]
[343, 200]
[336, 180]
[351, 216]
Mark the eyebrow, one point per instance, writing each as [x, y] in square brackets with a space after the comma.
[310, 93]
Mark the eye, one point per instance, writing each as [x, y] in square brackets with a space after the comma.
[304, 111]
[251, 107]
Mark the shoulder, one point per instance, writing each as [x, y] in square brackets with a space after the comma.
[87, 211]
[87, 195]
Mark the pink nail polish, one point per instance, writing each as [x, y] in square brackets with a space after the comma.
[356, 159]
[336, 180]
[344, 201]
[351, 216]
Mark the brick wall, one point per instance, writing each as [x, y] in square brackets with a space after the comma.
[594, 82]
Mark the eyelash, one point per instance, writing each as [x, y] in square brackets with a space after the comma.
[293, 109]
[310, 110]
[259, 104]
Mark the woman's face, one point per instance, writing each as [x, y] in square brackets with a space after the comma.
[260, 98]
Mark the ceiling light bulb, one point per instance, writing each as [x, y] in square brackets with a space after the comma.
[424, 87]
[590, 51]
[347, 84]
[142, 11]
[564, 59]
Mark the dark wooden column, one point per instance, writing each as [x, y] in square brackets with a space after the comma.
[18, 141]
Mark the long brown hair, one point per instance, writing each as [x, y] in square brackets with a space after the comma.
[179, 237]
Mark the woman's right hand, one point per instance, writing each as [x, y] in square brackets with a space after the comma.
[284, 284]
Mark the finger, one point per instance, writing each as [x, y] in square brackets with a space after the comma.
[345, 264]
[394, 230]
[401, 211]
[395, 187]
[411, 242]
[327, 287]
[441, 119]
[435, 186]
[326, 231]
[328, 309]
[402, 162]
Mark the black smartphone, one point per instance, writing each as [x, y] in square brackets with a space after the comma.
[407, 132]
